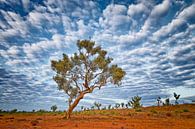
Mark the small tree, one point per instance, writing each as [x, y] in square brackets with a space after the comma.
[54, 108]
[167, 102]
[122, 105]
[82, 107]
[126, 105]
[159, 101]
[135, 102]
[98, 105]
[13, 111]
[92, 107]
[109, 107]
[117, 105]
[84, 71]
[176, 98]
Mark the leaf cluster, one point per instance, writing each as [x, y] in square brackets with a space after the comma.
[135, 102]
[85, 70]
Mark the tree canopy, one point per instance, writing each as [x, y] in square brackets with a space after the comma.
[85, 70]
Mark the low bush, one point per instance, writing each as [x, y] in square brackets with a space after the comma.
[185, 110]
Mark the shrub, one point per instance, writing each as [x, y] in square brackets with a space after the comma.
[185, 110]
[98, 105]
[117, 105]
[109, 107]
[13, 111]
[176, 98]
[135, 102]
[167, 102]
[54, 108]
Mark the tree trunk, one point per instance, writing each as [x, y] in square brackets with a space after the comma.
[72, 106]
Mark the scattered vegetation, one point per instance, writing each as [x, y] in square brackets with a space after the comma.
[13, 111]
[185, 110]
[167, 102]
[54, 108]
[176, 98]
[135, 102]
[98, 105]
[159, 101]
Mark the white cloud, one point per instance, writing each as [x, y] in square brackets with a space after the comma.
[114, 17]
[180, 20]
[57, 42]
[157, 12]
[135, 9]
[13, 26]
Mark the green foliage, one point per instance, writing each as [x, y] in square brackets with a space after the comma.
[117, 105]
[122, 105]
[159, 101]
[13, 111]
[167, 102]
[176, 98]
[185, 110]
[85, 70]
[109, 107]
[54, 108]
[82, 107]
[98, 105]
[92, 107]
[135, 102]
[42, 111]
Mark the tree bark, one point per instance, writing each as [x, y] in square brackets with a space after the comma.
[72, 106]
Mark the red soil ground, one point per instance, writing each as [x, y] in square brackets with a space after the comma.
[167, 117]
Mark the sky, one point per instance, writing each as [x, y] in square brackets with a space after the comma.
[152, 40]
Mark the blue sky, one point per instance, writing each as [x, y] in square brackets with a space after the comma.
[152, 40]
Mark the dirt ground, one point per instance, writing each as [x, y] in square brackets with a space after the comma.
[166, 117]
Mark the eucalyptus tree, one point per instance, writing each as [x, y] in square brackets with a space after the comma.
[87, 69]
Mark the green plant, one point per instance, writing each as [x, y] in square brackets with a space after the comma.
[176, 98]
[185, 110]
[92, 107]
[88, 69]
[109, 107]
[13, 111]
[117, 105]
[82, 107]
[135, 102]
[167, 102]
[159, 101]
[54, 108]
[98, 105]
[122, 105]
